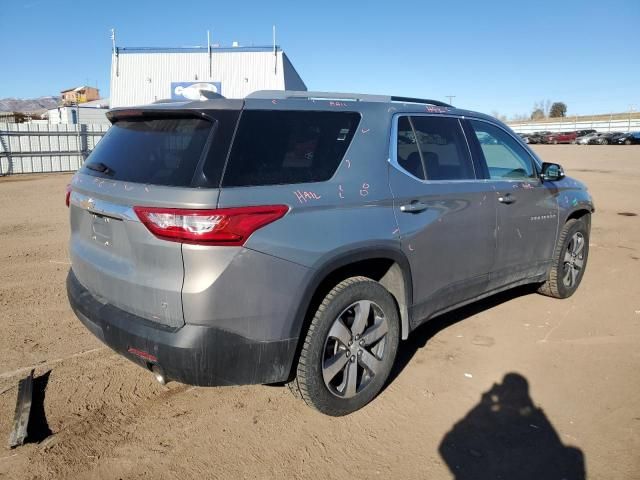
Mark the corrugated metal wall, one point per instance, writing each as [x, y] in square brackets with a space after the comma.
[139, 78]
[38, 148]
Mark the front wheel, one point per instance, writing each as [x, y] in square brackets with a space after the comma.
[349, 348]
[569, 260]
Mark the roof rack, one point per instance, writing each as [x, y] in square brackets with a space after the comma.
[284, 94]
[437, 103]
[354, 97]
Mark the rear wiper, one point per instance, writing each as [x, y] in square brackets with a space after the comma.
[100, 167]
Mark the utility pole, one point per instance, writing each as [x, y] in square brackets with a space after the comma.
[275, 52]
[78, 138]
[450, 97]
[630, 112]
[209, 52]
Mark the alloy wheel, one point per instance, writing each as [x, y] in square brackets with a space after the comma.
[354, 349]
[573, 260]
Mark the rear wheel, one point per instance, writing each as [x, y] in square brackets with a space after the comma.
[350, 347]
[627, 141]
[569, 260]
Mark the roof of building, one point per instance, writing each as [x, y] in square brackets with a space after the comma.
[197, 49]
[77, 89]
[100, 103]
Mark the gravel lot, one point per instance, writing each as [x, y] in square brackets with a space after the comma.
[519, 380]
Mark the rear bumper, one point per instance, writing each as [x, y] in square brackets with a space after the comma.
[192, 354]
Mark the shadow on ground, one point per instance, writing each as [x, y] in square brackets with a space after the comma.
[506, 436]
[419, 337]
[38, 426]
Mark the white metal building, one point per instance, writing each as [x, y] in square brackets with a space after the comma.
[87, 113]
[143, 75]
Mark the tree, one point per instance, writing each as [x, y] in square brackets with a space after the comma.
[499, 116]
[537, 114]
[558, 109]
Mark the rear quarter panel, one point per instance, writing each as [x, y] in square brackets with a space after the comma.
[349, 213]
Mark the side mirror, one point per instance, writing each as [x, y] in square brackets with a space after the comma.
[551, 172]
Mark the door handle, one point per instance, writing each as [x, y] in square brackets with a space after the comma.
[507, 198]
[414, 207]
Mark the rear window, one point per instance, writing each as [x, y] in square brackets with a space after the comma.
[284, 147]
[160, 151]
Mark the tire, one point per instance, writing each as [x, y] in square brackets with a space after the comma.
[333, 349]
[569, 260]
[555, 142]
[604, 142]
[627, 142]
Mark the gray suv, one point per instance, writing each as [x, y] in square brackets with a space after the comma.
[298, 236]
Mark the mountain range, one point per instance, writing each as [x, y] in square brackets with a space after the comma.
[28, 105]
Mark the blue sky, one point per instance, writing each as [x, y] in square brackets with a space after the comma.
[492, 55]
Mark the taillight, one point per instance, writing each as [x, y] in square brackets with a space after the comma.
[67, 198]
[222, 226]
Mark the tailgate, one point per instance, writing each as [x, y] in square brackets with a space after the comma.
[119, 261]
[146, 159]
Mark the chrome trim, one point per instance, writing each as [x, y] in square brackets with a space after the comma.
[102, 207]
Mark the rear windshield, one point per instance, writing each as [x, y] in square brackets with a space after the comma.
[161, 151]
[283, 147]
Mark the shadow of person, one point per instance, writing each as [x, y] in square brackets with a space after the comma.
[507, 437]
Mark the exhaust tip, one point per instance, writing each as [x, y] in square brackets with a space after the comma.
[158, 373]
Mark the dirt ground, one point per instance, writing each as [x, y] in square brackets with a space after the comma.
[520, 380]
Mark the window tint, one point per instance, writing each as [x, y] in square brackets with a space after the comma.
[282, 147]
[433, 148]
[155, 151]
[408, 154]
[505, 157]
[226, 121]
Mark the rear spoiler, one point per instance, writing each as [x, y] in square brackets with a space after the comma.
[205, 110]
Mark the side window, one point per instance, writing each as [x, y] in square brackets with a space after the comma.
[433, 148]
[505, 157]
[274, 147]
[408, 151]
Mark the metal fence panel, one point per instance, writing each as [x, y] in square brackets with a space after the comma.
[38, 148]
[603, 126]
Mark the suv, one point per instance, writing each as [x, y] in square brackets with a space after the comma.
[297, 237]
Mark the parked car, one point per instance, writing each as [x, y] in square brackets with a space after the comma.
[631, 138]
[581, 133]
[536, 137]
[585, 139]
[561, 137]
[298, 236]
[605, 138]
